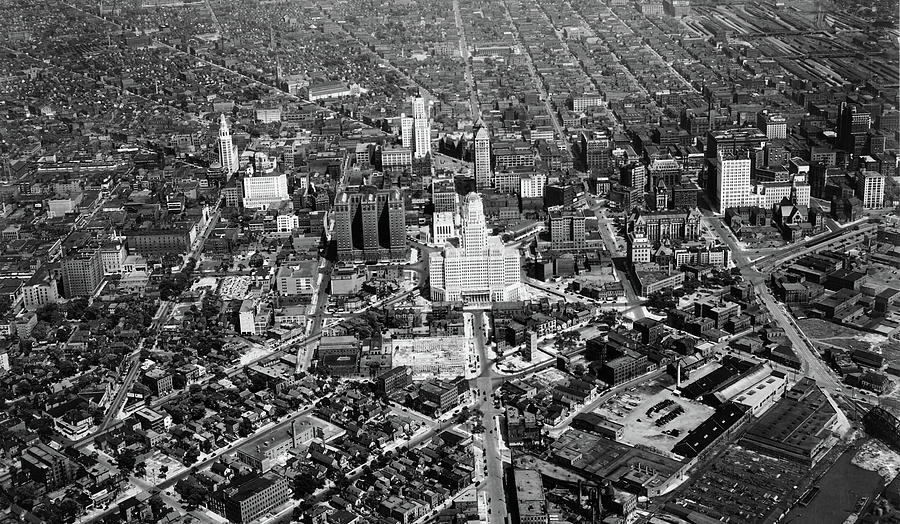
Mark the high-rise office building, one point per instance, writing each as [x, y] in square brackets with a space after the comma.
[870, 189]
[532, 186]
[481, 269]
[734, 141]
[482, 158]
[634, 176]
[370, 224]
[852, 128]
[444, 226]
[40, 290]
[444, 196]
[228, 153]
[422, 127]
[262, 191]
[566, 229]
[407, 131]
[729, 185]
[773, 125]
[82, 272]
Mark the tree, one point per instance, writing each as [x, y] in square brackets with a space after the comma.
[193, 492]
[661, 300]
[690, 285]
[256, 260]
[191, 456]
[5, 305]
[23, 387]
[76, 308]
[158, 507]
[179, 381]
[305, 484]
[69, 508]
[40, 330]
[127, 460]
[566, 340]
[608, 317]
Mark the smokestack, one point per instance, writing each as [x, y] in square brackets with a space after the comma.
[678, 374]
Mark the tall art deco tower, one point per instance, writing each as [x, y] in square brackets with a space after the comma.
[228, 154]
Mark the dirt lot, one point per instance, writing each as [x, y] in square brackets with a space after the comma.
[630, 408]
[828, 334]
[761, 237]
[884, 275]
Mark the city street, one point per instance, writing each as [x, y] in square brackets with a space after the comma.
[631, 296]
[562, 139]
[307, 348]
[154, 485]
[474, 110]
[494, 484]
[812, 365]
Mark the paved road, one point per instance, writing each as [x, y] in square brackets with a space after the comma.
[562, 139]
[155, 484]
[533, 282]
[474, 109]
[631, 295]
[493, 484]
[812, 365]
[306, 350]
[134, 360]
[816, 244]
[134, 365]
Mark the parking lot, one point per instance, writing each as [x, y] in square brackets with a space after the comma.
[630, 408]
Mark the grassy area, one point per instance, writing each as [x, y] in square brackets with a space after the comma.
[827, 335]
[817, 329]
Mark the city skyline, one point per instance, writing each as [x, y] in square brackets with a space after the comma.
[497, 262]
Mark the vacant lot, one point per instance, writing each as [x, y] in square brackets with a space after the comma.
[880, 274]
[826, 334]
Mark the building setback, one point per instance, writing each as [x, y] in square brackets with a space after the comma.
[228, 154]
[422, 126]
[481, 269]
[483, 158]
[370, 225]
